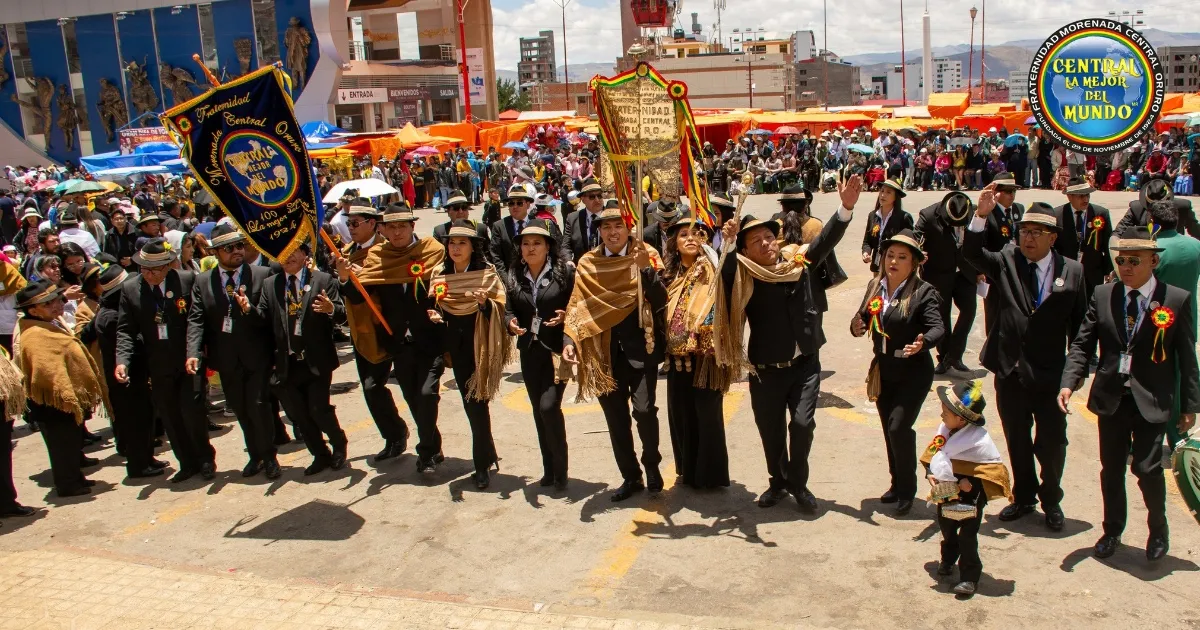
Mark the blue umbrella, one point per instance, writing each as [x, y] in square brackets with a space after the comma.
[1013, 139]
[861, 148]
[63, 186]
[758, 132]
[516, 144]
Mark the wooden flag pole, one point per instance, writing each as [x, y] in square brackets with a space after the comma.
[212, 79]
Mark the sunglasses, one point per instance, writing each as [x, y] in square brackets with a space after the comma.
[355, 223]
[236, 247]
[592, 196]
[517, 202]
[1132, 260]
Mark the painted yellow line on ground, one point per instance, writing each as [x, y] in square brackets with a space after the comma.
[623, 553]
[518, 400]
[849, 415]
[162, 518]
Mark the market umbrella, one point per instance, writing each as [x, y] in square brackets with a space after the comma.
[516, 144]
[425, 151]
[758, 132]
[787, 130]
[82, 186]
[1013, 139]
[369, 187]
[1193, 120]
[861, 148]
[45, 183]
[64, 185]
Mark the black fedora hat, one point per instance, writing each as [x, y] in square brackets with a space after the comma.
[225, 234]
[749, 222]
[796, 193]
[36, 293]
[1041, 214]
[156, 252]
[958, 208]
[111, 279]
[1134, 238]
[1078, 186]
[664, 211]
[965, 399]
[905, 237]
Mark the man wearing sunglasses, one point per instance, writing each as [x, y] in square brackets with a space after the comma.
[504, 232]
[1039, 299]
[1147, 336]
[458, 208]
[582, 228]
[226, 334]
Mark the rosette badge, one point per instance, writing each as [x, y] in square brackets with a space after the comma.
[1096, 85]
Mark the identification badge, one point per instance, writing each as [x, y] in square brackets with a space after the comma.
[296, 328]
[1059, 282]
[162, 332]
[535, 325]
[1125, 365]
[1, 286]
[227, 325]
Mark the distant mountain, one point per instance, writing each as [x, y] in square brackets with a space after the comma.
[579, 72]
[1000, 60]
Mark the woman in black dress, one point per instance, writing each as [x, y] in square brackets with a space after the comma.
[888, 219]
[469, 298]
[902, 313]
[540, 284]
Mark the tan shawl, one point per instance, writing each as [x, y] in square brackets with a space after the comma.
[384, 263]
[605, 294]
[58, 370]
[731, 316]
[493, 345]
[994, 476]
[11, 279]
[692, 298]
[84, 313]
[11, 388]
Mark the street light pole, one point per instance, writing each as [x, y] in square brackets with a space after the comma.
[983, 55]
[562, 4]
[750, 78]
[825, 53]
[462, 47]
[903, 66]
[971, 55]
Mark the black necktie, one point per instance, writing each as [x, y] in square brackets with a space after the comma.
[593, 230]
[293, 289]
[1131, 314]
[1080, 227]
[1033, 285]
[158, 294]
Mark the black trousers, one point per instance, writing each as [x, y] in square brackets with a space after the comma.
[8, 491]
[904, 385]
[1022, 410]
[960, 539]
[132, 421]
[374, 378]
[420, 376]
[305, 398]
[1118, 433]
[961, 293]
[247, 393]
[179, 401]
[545, 396]
[1045, 174]
[6, 343]
[636, 386]
[784, 401]
[483, 447]
[64, 444]
[696, 418]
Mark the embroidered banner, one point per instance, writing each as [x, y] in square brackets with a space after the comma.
[242, 142]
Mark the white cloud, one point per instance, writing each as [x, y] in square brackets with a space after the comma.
[865, 26]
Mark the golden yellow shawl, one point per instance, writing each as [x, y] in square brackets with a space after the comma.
[384, 263]
[11, 279]
[731, 314]
[493, 345]
[84, 313]
[11, 389]
[59, 372]
[691, 300]
[361, 321]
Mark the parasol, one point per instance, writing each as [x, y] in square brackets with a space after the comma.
[369, 187]
[516, 144]
[425, 151]
[1013, 139]
[758, 132]
[787, 130]
[861, 148]
[62, 186]
[44, 184]
[81, 186]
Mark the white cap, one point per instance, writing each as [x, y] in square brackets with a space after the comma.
[992, 130]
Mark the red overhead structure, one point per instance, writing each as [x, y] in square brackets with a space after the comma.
[652, 13]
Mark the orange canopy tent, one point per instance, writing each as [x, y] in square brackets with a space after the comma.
[721, 127]
[464, 132]
[920, 124]
[948, 105]
[981, 123]
[509, 114]
[502, 134]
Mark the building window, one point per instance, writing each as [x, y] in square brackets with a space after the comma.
[208, 38]
[1179, 82]
[804, 73]
[72, 45]
[265, 32]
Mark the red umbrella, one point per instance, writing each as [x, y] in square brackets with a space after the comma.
[425, 151]
[787, 130]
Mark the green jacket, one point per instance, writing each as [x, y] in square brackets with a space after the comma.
[1179, 263]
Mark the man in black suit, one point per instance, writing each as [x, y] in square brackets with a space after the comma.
[1135, 384]
[1086, 229]
[504, 232]
[152, 328]
[634, 367]
[663, 213]
[302, 305]
[940, 228]
[581, 232]
[1040, 301]
[226, 334]
[459, 209]
[785, 344]
[1000, 230]
[1159, 190]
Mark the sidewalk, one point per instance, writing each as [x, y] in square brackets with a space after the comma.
[74, 589]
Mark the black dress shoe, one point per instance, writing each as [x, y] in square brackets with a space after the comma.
[183, 475]
[252, 468]
[807, 502]
[272, 469]
[1055, 519]
[889, 497]
[89, 483]
[772, 497]
[76, 492]
[654, 481]
[157, 443]
[88, 462]
[17, 510]
[966, 589]
[904, 507]
[439, 458]
[960, 366]
[941, 368]
[337, 460]
[148, 471]
[1157, 547]
[282, 438]
[393, 448]
[546, 481]
[1107, 546]
[1013, 511]
[945, 568]
[317, 466]
[482, 480]
[627, 489]
[158, 463]
[426, 466]
[213, 427]
[208, 471]
[560, 483]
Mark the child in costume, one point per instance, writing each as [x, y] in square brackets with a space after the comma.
[965, 470]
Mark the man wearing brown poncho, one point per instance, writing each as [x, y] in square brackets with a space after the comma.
[769, 289]
[617, 348]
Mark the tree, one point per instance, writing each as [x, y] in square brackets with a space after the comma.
[510, 96]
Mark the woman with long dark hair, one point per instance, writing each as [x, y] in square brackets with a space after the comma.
[26, 239]
[120, 241]
[469, 298]
[888, 219]
[695, 383]
[540, 285]
[901, 312]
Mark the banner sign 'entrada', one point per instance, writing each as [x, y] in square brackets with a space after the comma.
[1096, 86]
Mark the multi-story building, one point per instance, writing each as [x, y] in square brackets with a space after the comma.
[1181, 65]
[537, 63]
[1018, 85]
[826, 80]
[947, 75]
